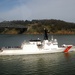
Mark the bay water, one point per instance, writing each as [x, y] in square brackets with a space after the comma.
[40, 64]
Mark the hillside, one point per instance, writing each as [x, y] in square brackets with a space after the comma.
[36, 27]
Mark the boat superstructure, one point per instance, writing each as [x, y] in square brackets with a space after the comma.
[38, 47]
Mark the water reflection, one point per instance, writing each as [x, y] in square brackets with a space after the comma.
[45, 64]
[67, 55]
[29, 64]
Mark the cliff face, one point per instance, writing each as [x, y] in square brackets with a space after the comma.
[36, 27]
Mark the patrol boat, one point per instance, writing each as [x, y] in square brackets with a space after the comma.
[38, 47]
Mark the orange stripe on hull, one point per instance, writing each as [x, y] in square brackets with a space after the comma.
[67, 49]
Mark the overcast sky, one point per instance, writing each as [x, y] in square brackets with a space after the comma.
[37, 9]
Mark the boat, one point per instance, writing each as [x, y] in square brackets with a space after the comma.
[37, 47]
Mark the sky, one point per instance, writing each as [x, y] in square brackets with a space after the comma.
[37, 9]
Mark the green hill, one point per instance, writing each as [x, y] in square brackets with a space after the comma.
[36, 27]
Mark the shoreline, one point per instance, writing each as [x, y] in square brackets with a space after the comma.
[40, 33]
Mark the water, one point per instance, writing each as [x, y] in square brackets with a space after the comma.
[44, 64]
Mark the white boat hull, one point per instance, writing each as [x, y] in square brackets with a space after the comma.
[31, 51]
[23, 52]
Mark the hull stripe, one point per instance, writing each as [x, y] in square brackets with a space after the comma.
[67, 49]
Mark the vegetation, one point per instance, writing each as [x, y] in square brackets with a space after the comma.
[36, 27]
